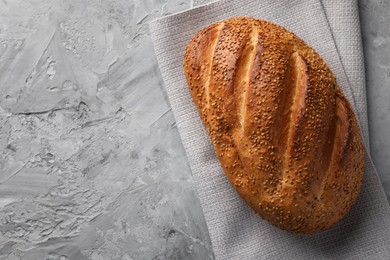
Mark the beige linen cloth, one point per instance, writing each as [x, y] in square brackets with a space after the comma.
[332, 29]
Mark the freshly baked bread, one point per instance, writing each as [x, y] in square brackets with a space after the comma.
[284, 133]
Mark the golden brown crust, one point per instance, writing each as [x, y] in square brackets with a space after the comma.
[284, 133]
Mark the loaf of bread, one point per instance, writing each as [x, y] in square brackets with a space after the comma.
[284, 133]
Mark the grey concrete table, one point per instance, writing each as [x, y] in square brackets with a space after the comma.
[375, 24]
[91, 163]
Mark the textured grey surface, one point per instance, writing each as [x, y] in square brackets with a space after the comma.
[375, 21]
[91, 163]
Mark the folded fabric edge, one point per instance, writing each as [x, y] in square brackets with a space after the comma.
[362, 114]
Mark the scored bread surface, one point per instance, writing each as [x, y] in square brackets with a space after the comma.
[283, 131]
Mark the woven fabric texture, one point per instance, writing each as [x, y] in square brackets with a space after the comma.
[332, 29]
